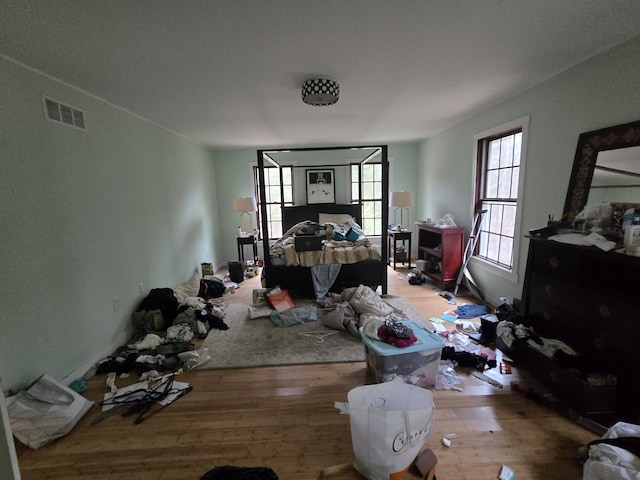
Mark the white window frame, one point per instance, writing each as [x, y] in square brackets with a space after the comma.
[523, 125]
[254, 176]
[375, 232]
[349, 163]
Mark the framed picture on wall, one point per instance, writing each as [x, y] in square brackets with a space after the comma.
[321, 186]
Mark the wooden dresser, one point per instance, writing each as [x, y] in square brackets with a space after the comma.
[590, 300]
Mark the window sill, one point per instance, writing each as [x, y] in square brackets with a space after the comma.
[510, 275]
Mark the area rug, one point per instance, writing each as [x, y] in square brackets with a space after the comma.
[259, 342]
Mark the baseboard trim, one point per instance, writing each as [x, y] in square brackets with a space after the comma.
[86, 370]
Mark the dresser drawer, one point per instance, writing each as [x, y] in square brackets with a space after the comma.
[553, 260]
[570, 388]
[599, 309]
[606, 350]
[551, 321]
[590, 300]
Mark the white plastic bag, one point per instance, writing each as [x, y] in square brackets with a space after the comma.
[181, 332]
[390, 423]
[608, 462]
[46, 411]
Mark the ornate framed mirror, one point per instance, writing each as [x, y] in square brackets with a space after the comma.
[606, 168]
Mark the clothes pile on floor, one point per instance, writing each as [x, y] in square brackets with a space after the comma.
[165, 322]
[359, 307]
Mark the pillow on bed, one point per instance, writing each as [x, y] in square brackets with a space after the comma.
[339, 218]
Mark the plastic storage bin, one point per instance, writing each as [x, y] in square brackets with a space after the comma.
[417, 364]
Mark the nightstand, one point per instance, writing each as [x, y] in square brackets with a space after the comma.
[399, 254]
[247, 240]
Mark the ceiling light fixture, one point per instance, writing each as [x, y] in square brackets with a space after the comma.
[320, 91]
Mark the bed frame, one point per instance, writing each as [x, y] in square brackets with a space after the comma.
[297, 214]
[372, 273]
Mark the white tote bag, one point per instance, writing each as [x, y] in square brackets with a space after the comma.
[390, 423]
[608, 462]
[45, 411]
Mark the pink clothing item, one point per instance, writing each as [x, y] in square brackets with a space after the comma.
[398, 342]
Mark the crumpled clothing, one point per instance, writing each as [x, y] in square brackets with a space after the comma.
[387, 337]
[471, 311]
[323, 277]
[162, 299]
[151, 359]
[508, 332]
[294, 316]
[365, 300]
[148, 321]
[149, 342]
[345, 296]
[370, 325]
[202, 320]
[357, 307]
[195, 302]
[181, 332]
[150, 375]
[550, 346]
[615, 460]
[343, 317]
[479, 360]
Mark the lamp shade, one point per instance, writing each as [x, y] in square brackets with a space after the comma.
[320, 92]
[244, 204]
[401, 199]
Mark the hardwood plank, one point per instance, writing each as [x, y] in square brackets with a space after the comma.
[284, 418]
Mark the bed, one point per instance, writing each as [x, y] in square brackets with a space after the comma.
[361, 259]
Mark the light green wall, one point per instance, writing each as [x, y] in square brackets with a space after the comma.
[88, 216]
[234, 179]
[598, 93]
[85, 217]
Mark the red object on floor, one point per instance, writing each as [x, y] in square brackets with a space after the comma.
[516, 387]
[504, 368]
[281, 301]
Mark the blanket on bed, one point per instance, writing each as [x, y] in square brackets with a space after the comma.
[333, 252]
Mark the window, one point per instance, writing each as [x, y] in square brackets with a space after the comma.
[371, 195]
[499, 178]
[278, 192]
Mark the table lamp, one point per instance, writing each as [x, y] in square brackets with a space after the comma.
[245, 205]
[401, 200]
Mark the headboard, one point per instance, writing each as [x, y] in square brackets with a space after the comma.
[300, 213]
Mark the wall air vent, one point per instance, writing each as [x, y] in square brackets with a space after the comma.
[63, 114]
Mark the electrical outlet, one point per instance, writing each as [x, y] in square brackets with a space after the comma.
[116, 303]
[141, 288]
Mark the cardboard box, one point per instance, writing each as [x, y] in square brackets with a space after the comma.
[207, 269]
[417, 364]
[307, 243]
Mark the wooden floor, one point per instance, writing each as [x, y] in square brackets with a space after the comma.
[284, 418]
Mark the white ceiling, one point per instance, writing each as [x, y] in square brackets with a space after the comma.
[227, 73]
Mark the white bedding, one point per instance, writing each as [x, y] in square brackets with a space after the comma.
[333, 252]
